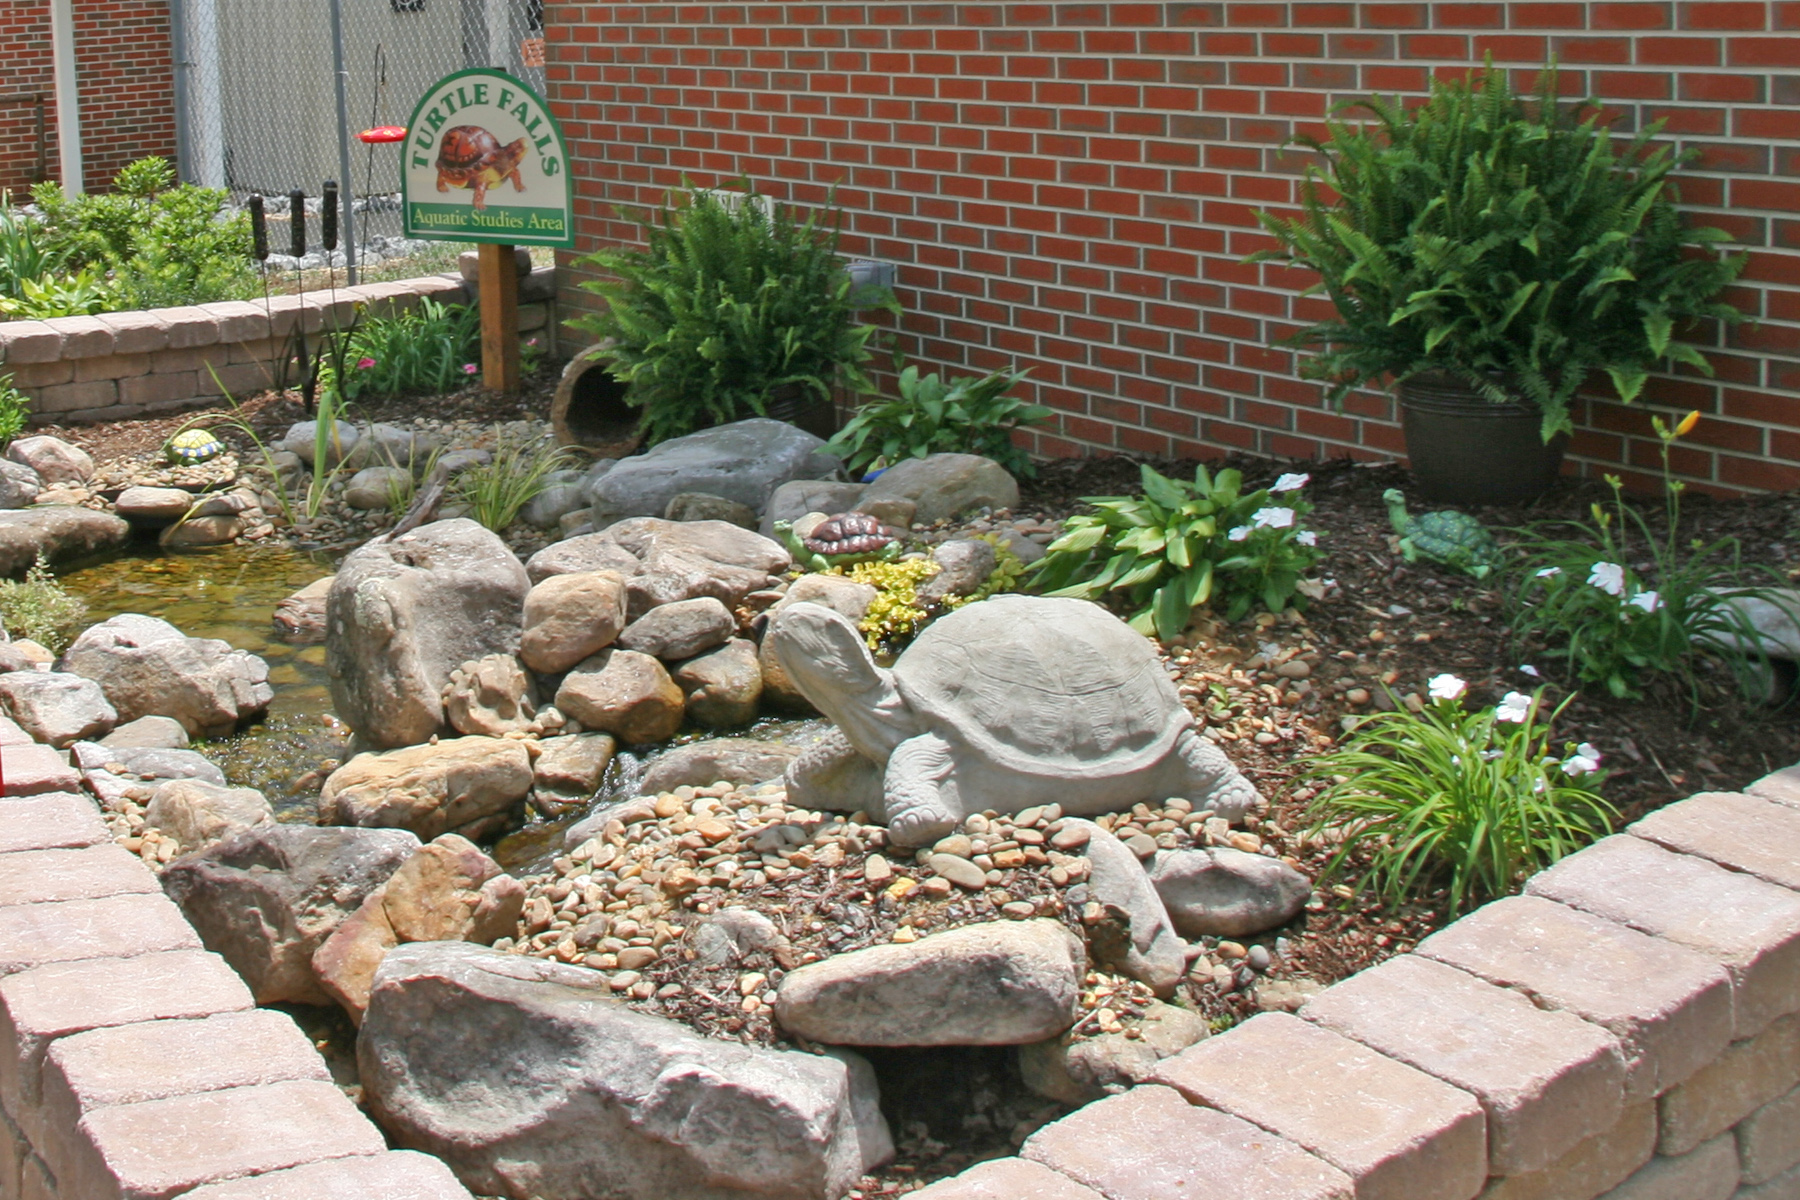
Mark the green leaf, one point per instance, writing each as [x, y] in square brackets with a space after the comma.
[1171, 610]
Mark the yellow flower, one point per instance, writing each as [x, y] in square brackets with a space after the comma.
[1687, 424]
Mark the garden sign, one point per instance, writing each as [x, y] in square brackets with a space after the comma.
[485, 161]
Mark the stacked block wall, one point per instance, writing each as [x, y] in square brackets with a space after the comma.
[1072, 186]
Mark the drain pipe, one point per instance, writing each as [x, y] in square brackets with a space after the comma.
[68, 95]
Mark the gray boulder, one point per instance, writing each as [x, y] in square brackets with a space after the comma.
[374, 488]
[54, 460]
[1136, 938]
[404, 613]
[266, 898]
[19, 484]
[1079, 1071]
[722, 686]
[563, 493]
[943, 485]
[1768, 624]
[301, 440]
[1226, 892]
[530, 1080]
[580, 554]
[796, 498]
[590, 478]
[56, 531]
[54, 707]
[380, 445]
[698, 506]
[197, 813]
[680, 630]
[730, 934]
[147, 667]
[744, 461]
[963, 565]
[1000, 983]
[731, 760]
[685, 560]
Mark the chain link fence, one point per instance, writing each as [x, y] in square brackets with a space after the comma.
[260, 108]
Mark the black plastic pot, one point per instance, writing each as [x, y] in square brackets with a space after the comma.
[1469, 450]
[802, 406]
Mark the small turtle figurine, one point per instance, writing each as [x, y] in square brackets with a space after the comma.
[471, 157]
[840, 541]
[1453, 538]
[193, 446]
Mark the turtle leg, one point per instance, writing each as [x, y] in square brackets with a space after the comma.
[1207, 779]
[443, 185]
[517, 182]
[916, 812]
[480, 193]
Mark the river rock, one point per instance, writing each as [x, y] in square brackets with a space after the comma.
[54, 707]
[571, 767]
[490, 696]
[198, 813]
[698, 506]
[148, 733]
[743, 461]
[999, 983]
[680, 630]
[19, 485]
[268, 897]
[374, 488]
[301, 440]
[715, 760]
[147, 667]
[570, 617]
[587, 552]
[1226, 892]
[380, 445]
[796, 498]
[685, 560]
[153, 507]
[963, 566]
[1077, 1072]
[56, 531]
[201, 531]
[730, 934]
[404, 613]
[562, 494]
[625, 693]
[460, 785]
[448, 892]
[530, 1080]
[943, 485]
[1137, 937]
[300, 618]
[54, 460]
[722, 686]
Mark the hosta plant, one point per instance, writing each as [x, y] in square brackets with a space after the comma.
[1182, 544]
[932, 415]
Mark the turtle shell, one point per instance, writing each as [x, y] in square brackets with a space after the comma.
[847, 533]
[465, 147]
[193, 446]
[1043, 686]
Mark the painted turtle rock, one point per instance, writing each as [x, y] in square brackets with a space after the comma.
[193, 446]
[471, 157]
[846, 534]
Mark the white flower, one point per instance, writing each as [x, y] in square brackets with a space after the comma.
[1272, 518]
[1608, 577]
[1445, 687]
[1238, 534]
[1538, 787]
[1490, 755]
[1528, 669]
[1291, 483]
[1515, 707]
[1648, 601]
[1307, 537]
[1548, 573]
[1585, 760]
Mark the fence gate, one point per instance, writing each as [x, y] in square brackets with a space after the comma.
[258, 99]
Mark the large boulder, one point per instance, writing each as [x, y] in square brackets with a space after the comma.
[576, 555]
[722, 686]
[1135, 936]
[55, 707]
[529, 1080]
[19, 485]
[624, 693]
[54, 460]
[698, 506]
[1227, 893]
[572, 616]
[943, 485]
[716, 760]
[147, 667]
[268, 897]
[404, 613]
[1000, 983]
[462, 784]
[448, 892]
[684, 560]
[796, 498]
[56, 531]
[491, 696]
[744, 461]
[680, 630]
[198, 813]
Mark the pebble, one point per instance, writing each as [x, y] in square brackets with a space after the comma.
[1297, 668]
[876, 871]
[636, 958]
[957, 845]
[1141, 844]
[1259, 958]
[1071, 838]
[1357, 696]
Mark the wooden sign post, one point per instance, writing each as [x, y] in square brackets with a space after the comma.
[485, 161]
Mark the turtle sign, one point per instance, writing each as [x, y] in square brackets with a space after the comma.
[486, 162]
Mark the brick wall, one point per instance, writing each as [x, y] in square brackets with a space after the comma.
[126, 80]
[1071, 186]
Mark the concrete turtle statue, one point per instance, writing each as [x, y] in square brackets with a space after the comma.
[471, 157]
[1453, 538]
[1005, 704]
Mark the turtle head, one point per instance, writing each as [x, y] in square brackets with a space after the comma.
[824, 655]
[1396, 506]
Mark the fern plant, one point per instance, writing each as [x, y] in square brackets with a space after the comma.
[1503, 241]
[726, 303]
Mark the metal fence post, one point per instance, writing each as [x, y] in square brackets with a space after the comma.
[342, 75]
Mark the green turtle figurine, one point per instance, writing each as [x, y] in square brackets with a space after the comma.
[840, 541]
[193, 446]
[1453, 538]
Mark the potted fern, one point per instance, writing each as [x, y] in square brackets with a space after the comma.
[1492, 253]
[734, 307]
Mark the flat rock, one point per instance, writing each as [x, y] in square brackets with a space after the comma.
[999, 983]
[744, 461]
[147, 762]
[1226, 892]
[198, 814]
[529, 1079]
[731, 760]
[1146, 947]
[680, 630]
[624, 693]
[216, 530]
[147, 667]
[459, 784]
[684, 560]
[573, 765]
[56, 531]
[587, 552]
[153, 507]
[55, 707]
[722, 686]
[148, 733]
[943, 485]
[572, 616]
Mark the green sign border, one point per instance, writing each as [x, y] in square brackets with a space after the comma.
[566, 242]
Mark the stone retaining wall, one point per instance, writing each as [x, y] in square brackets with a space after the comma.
[1628, 1029]
[115, 366]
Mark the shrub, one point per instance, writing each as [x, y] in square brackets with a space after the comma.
[1472, 801]
[24, 257]
[969, 416]
[1185, 544]
[14, 408]
[38, 608]
[424, 350]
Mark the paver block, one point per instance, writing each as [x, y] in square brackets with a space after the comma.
[155, 1059]
[111, 927]
[1547, 1080]
[1600, 1162]
[1785, 1186]
[156, 389]
[77, 397]
[195, 324]
[1669, 1006]
[1399, 1133]
[1150, 1144]
[83, 337]
[139, 332]
[29, 342]
[1769, 1139]
[1748, 1075]
[1707, 1173]
[1745, 833]
[87, 873]
[30, 770]
[397, 1175]
[1008, 1179]
[1781, 786]
[50, 821]
[1750, 926]
[12, 735]
[58, 999]
[161, 1148]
